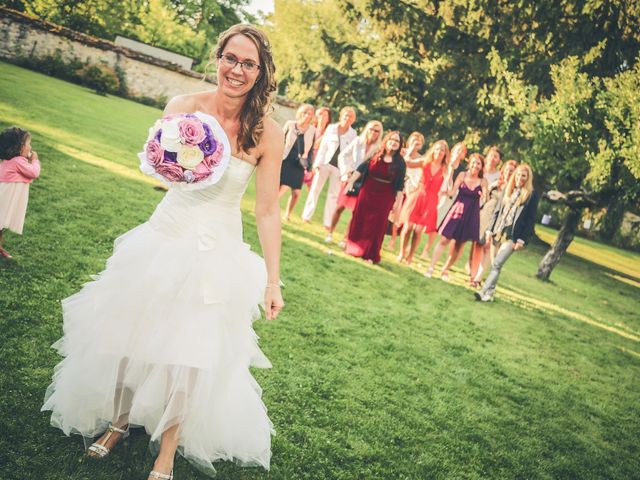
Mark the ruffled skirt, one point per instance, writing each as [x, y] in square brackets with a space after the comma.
[164, 336]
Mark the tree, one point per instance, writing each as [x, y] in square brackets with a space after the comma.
[422, 64]
[189, 27]
[582, 139]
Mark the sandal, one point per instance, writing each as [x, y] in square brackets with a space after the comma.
[99, 450]
[429, 272]
[161, 476]
[5, 254]
[445, 276]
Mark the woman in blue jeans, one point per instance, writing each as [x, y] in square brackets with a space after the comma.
[512, 226]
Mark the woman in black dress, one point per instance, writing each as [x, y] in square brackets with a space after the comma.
[298, 142]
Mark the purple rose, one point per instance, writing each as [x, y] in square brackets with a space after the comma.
[171, 171]
[158, 135]
[191, 131]
[170, 157]
[209, 144]
[154, 152]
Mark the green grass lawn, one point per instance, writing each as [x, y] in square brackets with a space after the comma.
[378, 373]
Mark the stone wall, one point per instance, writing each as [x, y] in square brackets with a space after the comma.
[146, 76]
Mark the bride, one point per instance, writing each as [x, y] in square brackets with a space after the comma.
[163, 337]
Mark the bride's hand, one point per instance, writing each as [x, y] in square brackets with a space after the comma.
[273, 302]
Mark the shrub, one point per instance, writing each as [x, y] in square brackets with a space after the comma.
[99, 77]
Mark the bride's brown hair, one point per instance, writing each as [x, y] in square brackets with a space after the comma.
[258, 103]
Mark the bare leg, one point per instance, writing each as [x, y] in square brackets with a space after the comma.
[468, 267]
[336, 218]
[437, 252]
[454, 254]
[457, 249]
[486, 258]
[427, 247]
[476, 257]
[168, 447]
[404, 240]
[1, 237]
[415, 241]
[282, 191]
[394, 235]
[291, 203]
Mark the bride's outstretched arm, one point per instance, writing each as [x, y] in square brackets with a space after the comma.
[268, 212]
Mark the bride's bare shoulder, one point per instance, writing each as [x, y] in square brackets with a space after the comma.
[188, 102]
[272, 132]
[271, 143]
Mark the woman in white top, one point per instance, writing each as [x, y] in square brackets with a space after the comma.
[359, 151]
[411, 154]
[325, 164]
[298, 142]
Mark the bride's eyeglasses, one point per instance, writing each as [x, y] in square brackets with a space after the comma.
[231, 62]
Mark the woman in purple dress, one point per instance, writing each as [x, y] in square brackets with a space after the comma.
[462, 222]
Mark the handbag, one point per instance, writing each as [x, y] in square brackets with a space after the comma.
[304, 163]
[357, 185]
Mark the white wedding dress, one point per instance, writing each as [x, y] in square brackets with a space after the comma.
[164, 333]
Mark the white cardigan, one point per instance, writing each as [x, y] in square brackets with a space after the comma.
[330, 142]
[354, 155]
[290, 136]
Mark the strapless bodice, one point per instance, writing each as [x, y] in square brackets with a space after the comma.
[208, 208]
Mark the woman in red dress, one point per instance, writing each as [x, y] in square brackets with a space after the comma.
[359, 151]
[381, 191]
[420, 211]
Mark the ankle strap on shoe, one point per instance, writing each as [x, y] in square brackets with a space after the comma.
[113, 428]
[161, 476]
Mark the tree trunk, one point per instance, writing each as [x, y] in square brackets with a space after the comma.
[564, 239]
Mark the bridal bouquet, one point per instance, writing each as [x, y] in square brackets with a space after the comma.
[186, 148]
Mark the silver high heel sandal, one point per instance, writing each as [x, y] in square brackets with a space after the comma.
[99, 450]
[161, 476]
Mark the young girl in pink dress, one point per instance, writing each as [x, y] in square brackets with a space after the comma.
[19, 166]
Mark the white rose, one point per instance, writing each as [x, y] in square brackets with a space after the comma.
[170, 138]
[189, 157]
[152, 130]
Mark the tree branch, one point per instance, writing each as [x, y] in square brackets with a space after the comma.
[573, 199]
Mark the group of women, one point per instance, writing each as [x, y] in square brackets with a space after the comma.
[453, 196]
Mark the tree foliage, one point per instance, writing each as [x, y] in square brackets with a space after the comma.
[421, 64]
[189, 27]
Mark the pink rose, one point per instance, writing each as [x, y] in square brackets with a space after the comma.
[191, 131]
[171, 171]
[214, 159]
[203, 168]
[154, 152]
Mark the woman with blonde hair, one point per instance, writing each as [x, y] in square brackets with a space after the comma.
[462, 222]
[360, 150]
[481, 252]
[420, 211]
[325, 164]
[298, 141]
[321, 121]
[410, 153]
[456, 165]
[512, 226]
